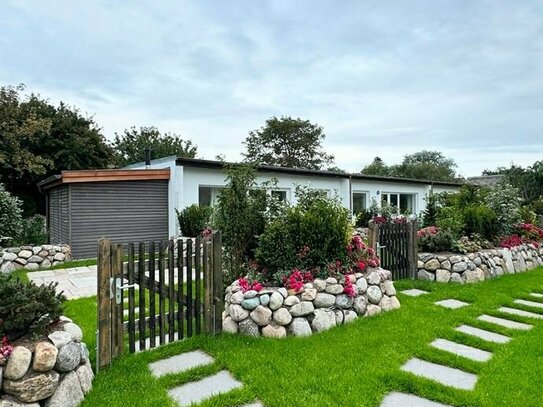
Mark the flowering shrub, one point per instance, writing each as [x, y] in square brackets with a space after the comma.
[246, 285]
[359, 256]
[207, 232]
[433, 239]
[296, 280]
[348, 288]
[530, 232]
[5, 349]
[511, 241]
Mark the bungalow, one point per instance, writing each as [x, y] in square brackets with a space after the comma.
[138, 203]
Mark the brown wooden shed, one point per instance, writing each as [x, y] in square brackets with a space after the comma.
[122, 205]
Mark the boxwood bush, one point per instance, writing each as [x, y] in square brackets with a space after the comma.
[194, 219]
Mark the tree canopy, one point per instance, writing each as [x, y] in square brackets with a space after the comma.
[129, 147]
[431, 165]
[288, 142]
[39, 139]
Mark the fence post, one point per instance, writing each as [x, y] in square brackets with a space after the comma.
[414, 249]
[117, 328]
[103, 344]
[208, 286]
[373, 236]
[218, 294]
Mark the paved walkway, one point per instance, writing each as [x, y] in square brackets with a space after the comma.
[453, 377]
[76, 282]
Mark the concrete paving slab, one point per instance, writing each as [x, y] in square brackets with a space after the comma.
[536, 295]
[483, 334]
[529, 303]
[520, 312]
[462, 350]
[396, 399]
[507, 323]
[451, 303]
[180, 363]
[445, 375]
[414, 292]
[196, 392]
[256, 404]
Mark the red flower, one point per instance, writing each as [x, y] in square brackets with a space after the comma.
[361, 265]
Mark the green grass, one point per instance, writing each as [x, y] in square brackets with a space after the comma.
[354, 365]
[73, 263]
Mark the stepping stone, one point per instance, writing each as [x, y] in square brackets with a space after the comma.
[442, 374]
[255, 404]
[482, 334]
[451, 303]
[462, 350]
[520, 312]
[396, 399]
[414, 292]
[507, 323]
[180, 363]
[196, 392]
[529, 303]
[536, 295]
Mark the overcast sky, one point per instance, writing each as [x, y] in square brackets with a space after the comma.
[384, 78]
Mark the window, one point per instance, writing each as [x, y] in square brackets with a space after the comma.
[280, 195]
[208, 196]
[359, 202]
[404, 203]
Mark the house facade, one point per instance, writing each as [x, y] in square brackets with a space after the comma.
[196, 181]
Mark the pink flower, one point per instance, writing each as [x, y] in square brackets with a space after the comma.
[348, 288]
[373, 262]
[361, 265]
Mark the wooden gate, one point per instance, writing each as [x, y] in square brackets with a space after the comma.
[396, 245]
[156, 293]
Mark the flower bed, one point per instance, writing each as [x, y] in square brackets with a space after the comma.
[480, 265]
[53, 370]
[33, 257]
[307, 307]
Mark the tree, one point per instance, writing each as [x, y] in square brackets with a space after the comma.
[288, 142]
[39, 139]
[529, 180]
[130, 146]
[376, 167]
[431, 165]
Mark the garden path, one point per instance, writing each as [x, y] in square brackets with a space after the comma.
[457, 378]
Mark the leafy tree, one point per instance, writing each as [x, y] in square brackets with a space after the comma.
[130, 146]
[10, 216]
[288, 142]
[38, 139]
[529, 180]
[376, 167]
[425, 164]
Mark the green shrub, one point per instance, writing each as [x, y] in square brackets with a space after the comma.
[10, 217]
[306, 236]
[433, 240]
[431, 212]
[451, 218]
[193, 219]
[33, 231]
[537, 206]
[528, 215]
[363, 218]
[26, 308]
[479, 219]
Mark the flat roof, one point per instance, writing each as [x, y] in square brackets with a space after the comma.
[81, 176]
[196, 162]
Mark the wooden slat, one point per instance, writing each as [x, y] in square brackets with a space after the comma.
[208, 286]
[180, 284]
[218, 295]
[189, 287]
[152, 295]
[104, 304]
[141, 277]
[171, 290]
[161, 292]
[131, 302]
[198, 284]
[117, 315]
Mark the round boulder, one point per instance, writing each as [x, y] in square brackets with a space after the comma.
[45, 357]
[374, 294]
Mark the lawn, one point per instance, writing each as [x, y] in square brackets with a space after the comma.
[354, 365]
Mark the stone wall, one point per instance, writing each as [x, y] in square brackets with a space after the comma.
[33, 257]
[321, 305]
[478, 266]
[52, 372]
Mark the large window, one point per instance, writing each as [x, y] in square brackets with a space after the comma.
[280, 195]
[208, 196]
[360, 202]
[404, 203]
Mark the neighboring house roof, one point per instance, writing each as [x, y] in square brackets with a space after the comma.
[79, 176]
[196, 162]
[485, 180]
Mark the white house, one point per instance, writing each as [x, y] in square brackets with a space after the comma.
[196, 181]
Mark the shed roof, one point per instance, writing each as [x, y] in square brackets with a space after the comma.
[80, 176]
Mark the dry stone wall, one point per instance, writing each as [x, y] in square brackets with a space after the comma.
[33, 257]
[53, 372]
[478, 266]
[277, 312]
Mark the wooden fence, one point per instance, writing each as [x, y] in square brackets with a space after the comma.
[396, 245]
[173, 290]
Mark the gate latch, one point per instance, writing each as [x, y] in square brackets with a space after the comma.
[117, 283]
